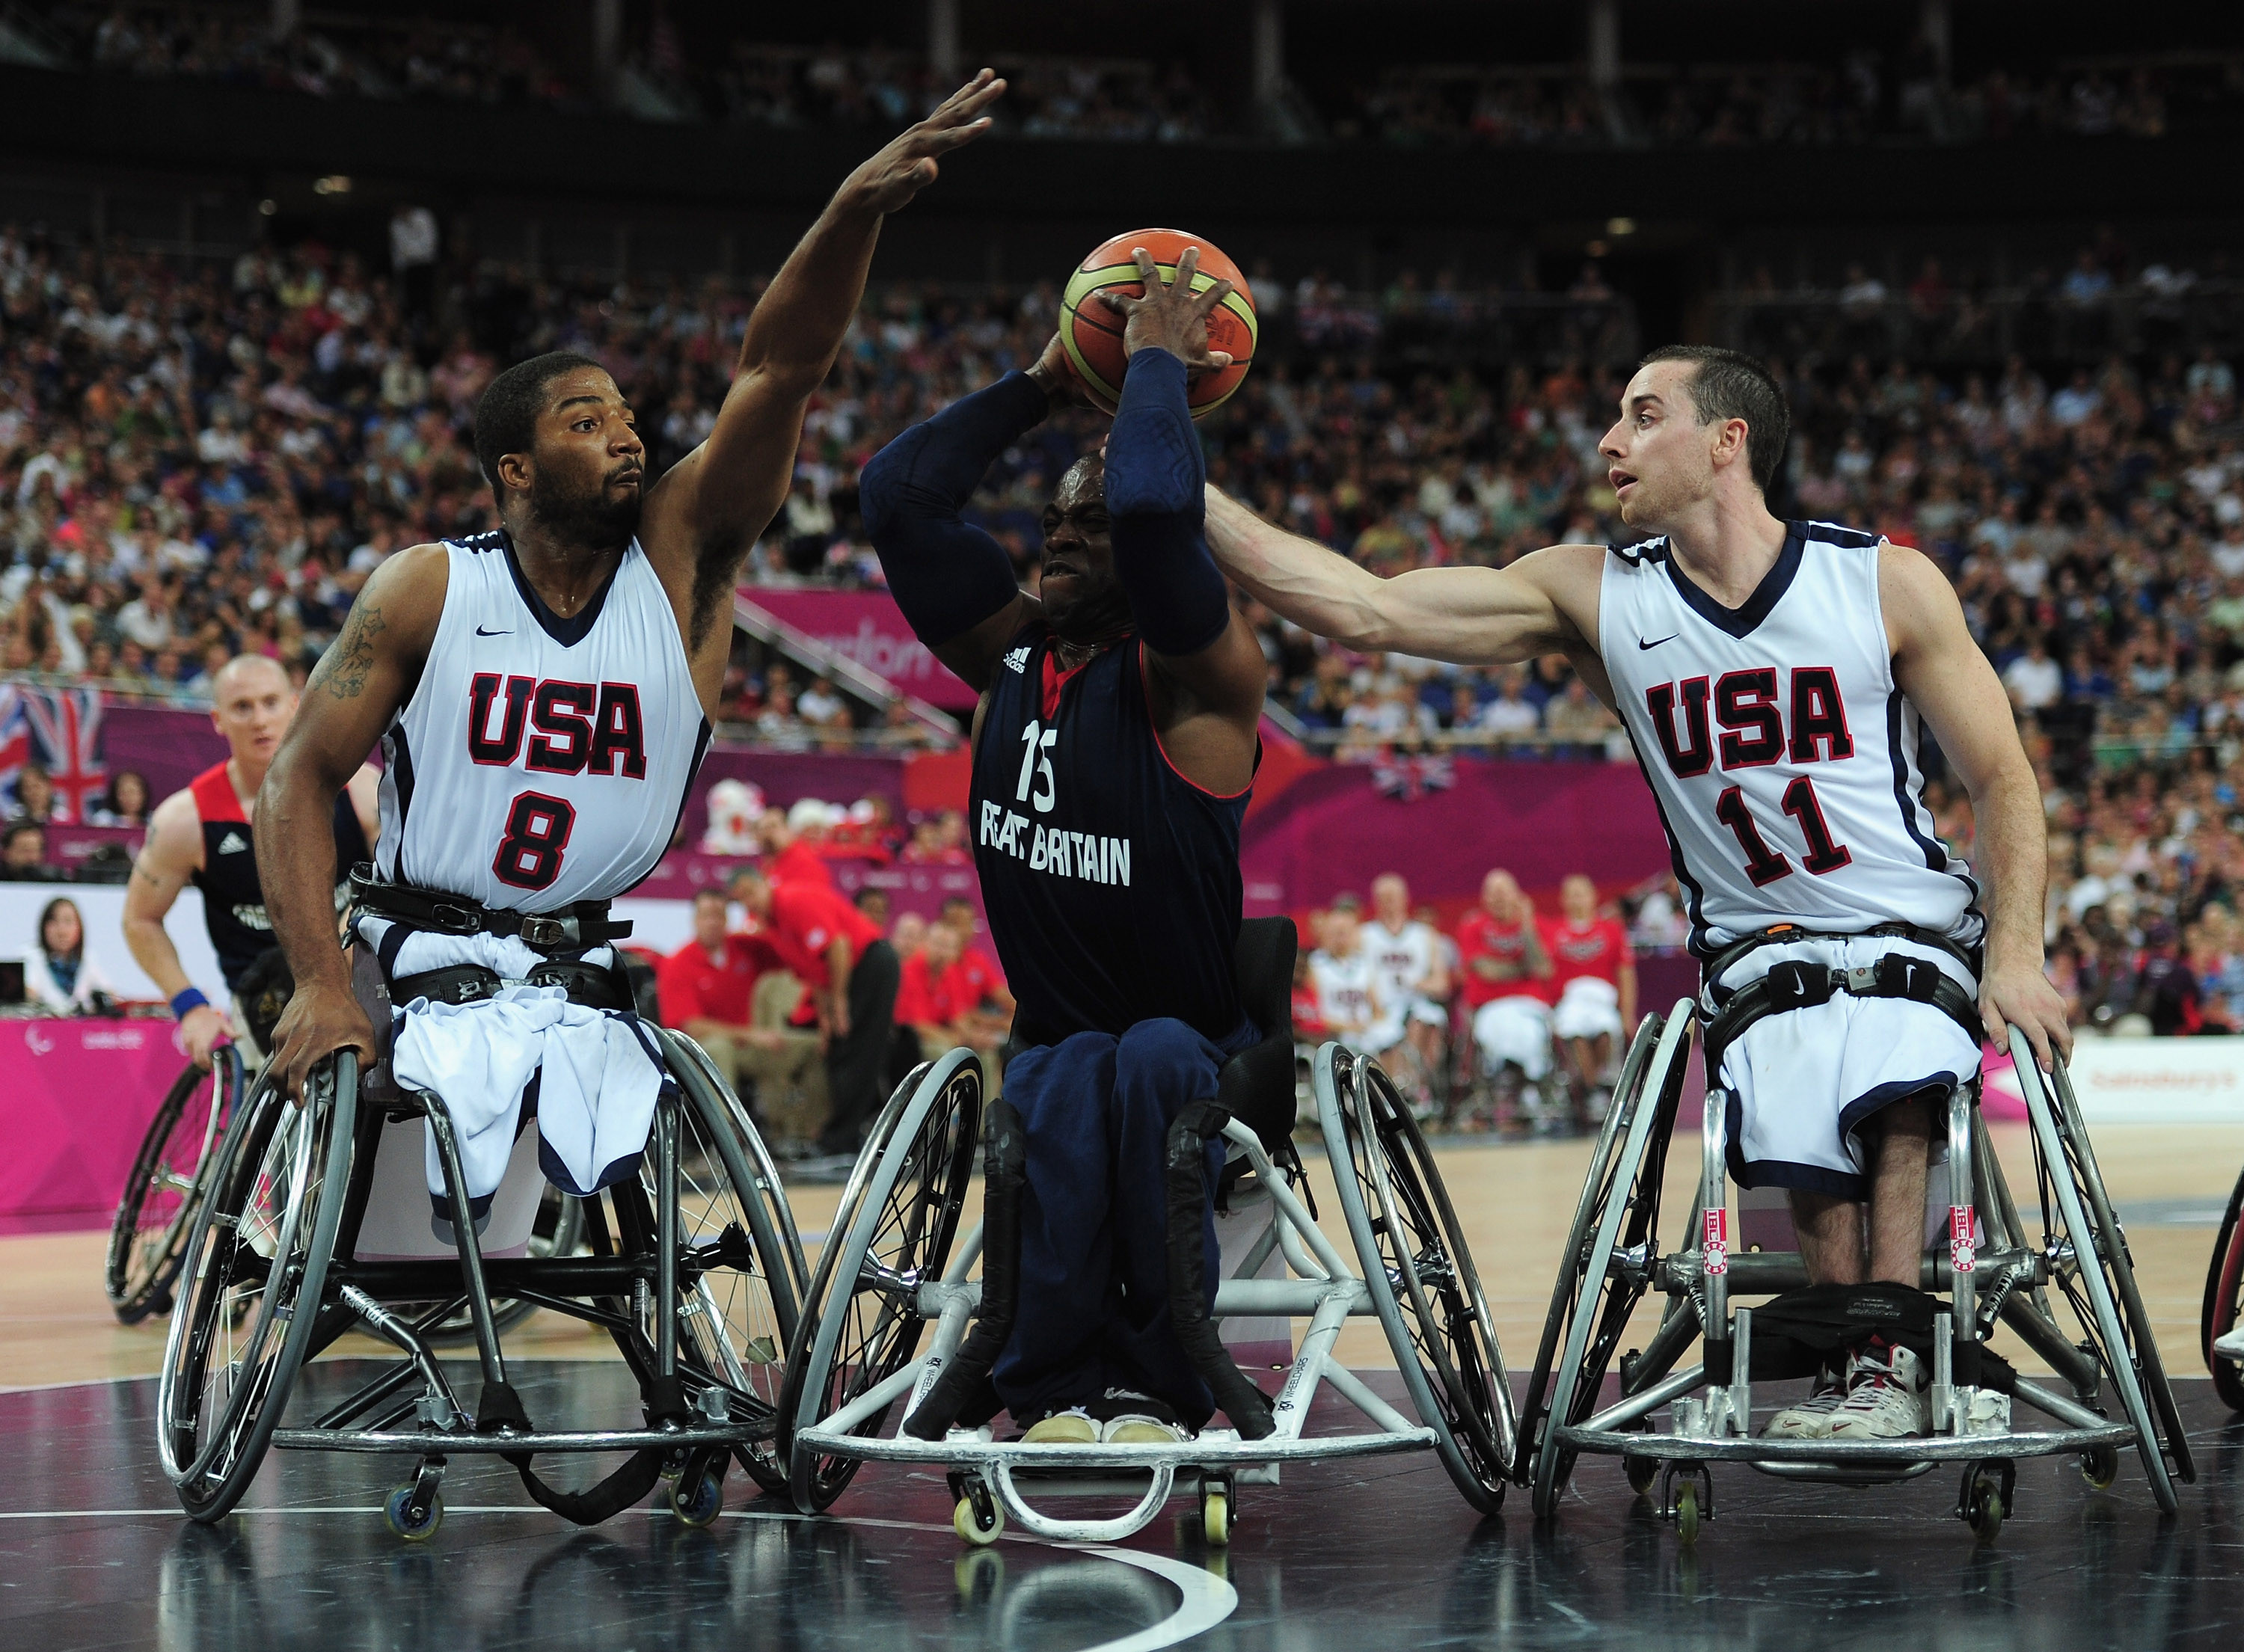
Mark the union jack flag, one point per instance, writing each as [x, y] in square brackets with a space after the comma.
[64, 726]
[15, 740]
[1408, 778]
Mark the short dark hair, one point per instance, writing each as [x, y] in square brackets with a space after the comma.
[1730, 384]
[506, 414]
[710, 892]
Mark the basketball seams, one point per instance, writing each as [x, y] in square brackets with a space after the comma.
[1088, 329]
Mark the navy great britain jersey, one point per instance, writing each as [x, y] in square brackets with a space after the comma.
[1111, 880]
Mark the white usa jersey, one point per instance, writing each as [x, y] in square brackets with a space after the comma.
[1405, 957]
[541, 761]
[1778, 746]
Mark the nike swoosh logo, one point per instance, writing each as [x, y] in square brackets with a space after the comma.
[1670, 638]
[480, 632]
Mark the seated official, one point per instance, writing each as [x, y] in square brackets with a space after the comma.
[709, 990]
[1114, 747]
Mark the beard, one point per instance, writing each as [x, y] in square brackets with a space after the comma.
[582, 517]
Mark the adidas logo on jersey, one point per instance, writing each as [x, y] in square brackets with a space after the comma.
[234, 843]
[1019, 659]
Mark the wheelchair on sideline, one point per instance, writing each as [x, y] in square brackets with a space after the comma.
[2224, 1301]
[890, 1268]
[2062, 1283]
[316, 1221]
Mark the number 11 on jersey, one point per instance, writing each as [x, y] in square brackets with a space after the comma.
[1764, 865]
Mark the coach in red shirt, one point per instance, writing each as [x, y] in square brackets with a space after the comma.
[707, 989]
[852, 974]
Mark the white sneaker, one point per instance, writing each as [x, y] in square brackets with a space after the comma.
[2232, 1345]
[1074, 1426]
[1139, 1430]
[1811, 1418]
[1886, 1397]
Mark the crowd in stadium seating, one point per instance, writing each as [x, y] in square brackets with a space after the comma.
[199, 459]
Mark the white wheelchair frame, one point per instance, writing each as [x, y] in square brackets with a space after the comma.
[1613, 1259]
[986, 1472]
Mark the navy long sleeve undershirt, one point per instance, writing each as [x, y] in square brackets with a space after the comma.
[946, 574]
[1156, 478]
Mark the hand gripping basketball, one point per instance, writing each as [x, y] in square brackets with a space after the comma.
[888, 181]
[1171, 317]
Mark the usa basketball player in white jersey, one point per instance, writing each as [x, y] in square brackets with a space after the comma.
[1775, 677]
[543, 694]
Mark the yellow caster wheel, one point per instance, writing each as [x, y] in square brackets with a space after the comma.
[1215, 1518]
[1686, 1513]
[2100, 1467]
[977, 1519]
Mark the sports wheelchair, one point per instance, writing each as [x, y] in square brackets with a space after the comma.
[1994, 1266]
[316, 1222]
[890, 1268]
[2224, 1301]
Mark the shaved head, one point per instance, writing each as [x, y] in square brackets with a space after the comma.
[243, 672]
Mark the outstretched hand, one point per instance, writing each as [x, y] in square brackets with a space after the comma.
[888, 181]
[1171, 316]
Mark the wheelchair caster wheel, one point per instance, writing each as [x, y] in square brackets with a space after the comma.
[414, 1528]
[1989, 1495]
[1686, 1513]
[700, 1510]
[1215, 1517]
[978, 1518]
[1642, 1473]
[2100, 1467]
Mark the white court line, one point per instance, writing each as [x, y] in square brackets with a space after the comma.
[1208, 1598]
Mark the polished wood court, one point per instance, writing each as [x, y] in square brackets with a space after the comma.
[1515, 1200]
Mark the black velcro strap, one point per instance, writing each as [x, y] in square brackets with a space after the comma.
[1899, 975]
[455, 984]
[1796, 984]
[1247, 1406]
[500, 1407]
[1004, 1173]
[666, 1401]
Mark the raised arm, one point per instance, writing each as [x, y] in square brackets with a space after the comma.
[1954, 688]
[364, 676]
[1545, 602]
[708, 509]
[954, 582]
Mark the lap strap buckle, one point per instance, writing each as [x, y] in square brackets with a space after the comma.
[1796, 984]
[454, 921]
[549, 932]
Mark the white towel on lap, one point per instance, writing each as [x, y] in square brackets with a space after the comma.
[602, 1072]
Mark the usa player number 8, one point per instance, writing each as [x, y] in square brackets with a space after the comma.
[537, 829]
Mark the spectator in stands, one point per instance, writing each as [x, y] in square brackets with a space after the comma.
[1349, 998]
[851, 971]
[1507, 991]
[949, 997]
[35, 795]
[126, 802]
[24, 854]
[1414, 974]
[1594, 972]
[58, 975]
[707, 991]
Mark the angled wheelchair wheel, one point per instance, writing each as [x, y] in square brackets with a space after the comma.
[1610, 1252]
[255, 1269]
[1419, 1273]
[860, 1319]
[148, 1240]
[2224, 1299]
[2092, 1271]
[741, 1286]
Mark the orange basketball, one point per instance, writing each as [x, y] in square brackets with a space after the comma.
[1093, 333]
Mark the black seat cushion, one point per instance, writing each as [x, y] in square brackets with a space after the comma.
[1256, 1086]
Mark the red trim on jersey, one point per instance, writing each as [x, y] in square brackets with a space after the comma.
[1146, 683]
[214, 796]
[1056, 679]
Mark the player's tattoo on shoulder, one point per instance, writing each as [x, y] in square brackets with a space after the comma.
[346, 665]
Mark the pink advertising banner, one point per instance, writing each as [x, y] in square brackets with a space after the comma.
[865, 626]
[80, 1094]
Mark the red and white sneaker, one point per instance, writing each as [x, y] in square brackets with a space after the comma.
[1811, 1418]
[1886, 1397]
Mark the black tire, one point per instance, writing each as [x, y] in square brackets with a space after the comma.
[255, 1274]
[148, 1240]
[727, 1192]
[2224, 1296]
[1405, 1230]
[897, 1219]
[1597, 1302]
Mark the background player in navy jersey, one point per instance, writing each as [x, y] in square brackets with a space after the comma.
[559, 445]
[203, 835]
[1113, 747]
[1737, 636]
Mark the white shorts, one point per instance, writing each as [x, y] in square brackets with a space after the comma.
[1426, 1012]
[1515, 1029]
[1588, 1008]
[1801, 1084]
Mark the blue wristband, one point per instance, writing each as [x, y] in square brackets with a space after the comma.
[190, 999]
